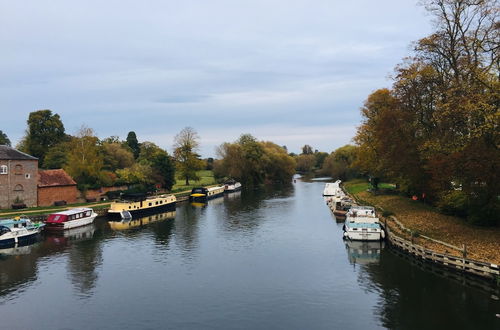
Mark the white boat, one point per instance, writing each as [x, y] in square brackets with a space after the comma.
[363, 231]
[70, 219]
[333, 189]
[231, 186]
[363, 224]
[18, 231]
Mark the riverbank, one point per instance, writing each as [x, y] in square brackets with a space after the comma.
[482, 244]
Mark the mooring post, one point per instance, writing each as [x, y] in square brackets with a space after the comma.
[464, 252]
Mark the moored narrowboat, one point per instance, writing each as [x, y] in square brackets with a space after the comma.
[202, 194]
[138, 205]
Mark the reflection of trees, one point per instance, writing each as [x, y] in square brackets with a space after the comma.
[84, 258]
[413, 298]
[186, 227]
[247, 213]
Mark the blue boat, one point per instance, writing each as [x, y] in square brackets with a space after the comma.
[18, 231]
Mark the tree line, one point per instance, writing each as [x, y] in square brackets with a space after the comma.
[436, 131]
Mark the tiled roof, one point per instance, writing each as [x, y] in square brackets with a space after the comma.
[52, 178]
[8, 153]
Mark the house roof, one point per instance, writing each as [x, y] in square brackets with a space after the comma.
[54, 178]
[8, 153]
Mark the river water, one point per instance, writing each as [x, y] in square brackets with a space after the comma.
[267, 259]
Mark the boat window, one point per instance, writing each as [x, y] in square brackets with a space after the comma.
[149, 204]
[16, 225]
[130, 207]
[87, 214]
[4, 230]
[156, 203]
[161, 202]
[24, 224]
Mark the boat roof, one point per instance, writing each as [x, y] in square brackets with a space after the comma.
[73, 211]
[215, 188]
[7, 222]
[362, 207]
[364, 225]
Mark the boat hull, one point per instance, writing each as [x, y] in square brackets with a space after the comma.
[116, 215]
[21, 239]
[205, 198]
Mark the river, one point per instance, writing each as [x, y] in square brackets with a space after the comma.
[267, 259]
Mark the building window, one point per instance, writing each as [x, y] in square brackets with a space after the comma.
[18, 169]
[4, 169]
[27, 176]
[18, 187]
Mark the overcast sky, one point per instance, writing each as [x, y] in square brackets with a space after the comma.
[292, 72]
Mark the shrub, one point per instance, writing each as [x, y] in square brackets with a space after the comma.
[453, 203]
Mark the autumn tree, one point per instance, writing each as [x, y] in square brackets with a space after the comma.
[187, 159]
[85, 160]
[45, 130]
[307, 150]
[253, 162]
[4, 139]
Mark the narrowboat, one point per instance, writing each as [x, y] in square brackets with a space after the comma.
[202, 194]
[73, 218]
[138, 205]
[231, 186]
[18, 231]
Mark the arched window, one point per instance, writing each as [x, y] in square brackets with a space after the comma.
[4, 169]
[18, 187]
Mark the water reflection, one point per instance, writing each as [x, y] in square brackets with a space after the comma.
[363, 253]
[139, 222]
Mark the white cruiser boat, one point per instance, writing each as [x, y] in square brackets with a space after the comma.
[362, 224]
[18, 231]
[70, 219]
[231, 186]
[333, 189]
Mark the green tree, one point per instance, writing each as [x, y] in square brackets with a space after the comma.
[305, 163]
[162, 164]
[116, 156]
[307, 150]
[185, 152]
[4, 139]
[45, 130]
[133, 143]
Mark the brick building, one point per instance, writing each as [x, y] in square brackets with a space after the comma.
[55, 186]
[18, 178]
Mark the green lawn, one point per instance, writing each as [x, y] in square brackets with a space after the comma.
[358, 185]
[206, 179]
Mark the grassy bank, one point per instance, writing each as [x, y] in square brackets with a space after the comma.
[482, 243]
[206, 179]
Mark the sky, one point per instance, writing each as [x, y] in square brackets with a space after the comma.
[291, 72]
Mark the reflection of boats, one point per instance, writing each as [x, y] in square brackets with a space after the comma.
[70, 219]
[18, 231]
[139, 206]
[17, 250]
[128, 224]
[231, 186]
[202, 194]
[73, 234]
[362, 224]
[235, 195]
[363, 252]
